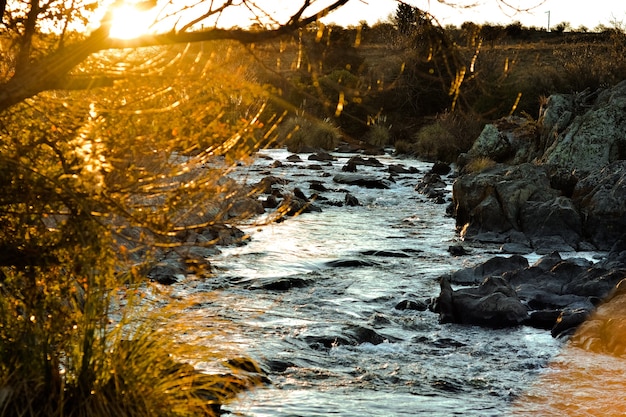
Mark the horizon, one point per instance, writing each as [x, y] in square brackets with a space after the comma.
[541, 14]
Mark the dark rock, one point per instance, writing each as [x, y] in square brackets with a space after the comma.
[318, 186]
[270, 202]
[601, 197]
[367, 181]
[278, 366]
[267, 183]
[350, 166]
[299, 194]
[568, 321]
[351, 201]
[516, 248]
[386, 253]
[411, 305]
[494, 266]
[349, 263]
[279, 284]
[321, 156]
[401, 169]
[543, 319]
[492, 304]
[458, 250]
[441, 168]
[167, 272]
[370, 162]
[294, 158]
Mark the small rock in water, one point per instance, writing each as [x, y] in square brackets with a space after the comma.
[351, 201]
[411, 305]
[458, 250]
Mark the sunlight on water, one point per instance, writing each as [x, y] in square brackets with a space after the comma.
[334, 343]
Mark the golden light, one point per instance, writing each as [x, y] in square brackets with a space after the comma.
[129, 21]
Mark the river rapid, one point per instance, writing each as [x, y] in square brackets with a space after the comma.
[313, 300]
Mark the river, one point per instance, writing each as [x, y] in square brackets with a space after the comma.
[332, 340]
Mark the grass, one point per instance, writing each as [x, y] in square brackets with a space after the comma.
[300, 134]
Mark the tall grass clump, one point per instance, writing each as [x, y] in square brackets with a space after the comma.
[378, 133]
[95, 190]
[305, 134]
[444, 139]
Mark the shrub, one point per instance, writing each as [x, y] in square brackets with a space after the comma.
[444, 139]
[301, 134]
[378, 132]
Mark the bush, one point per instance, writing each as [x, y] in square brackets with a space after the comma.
[378, 132]
[303, 134]
[444, 139]
[90, 194]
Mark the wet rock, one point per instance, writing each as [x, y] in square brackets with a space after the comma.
[494, 266]
[318, 186]
[458, 250]
[401, 169]
[350, 166]
[294, 158]
[270, 202]
[351, 201]
[279, 284]
[367, 181]
[411, 305]
[321, 156]
[370, 162]
[168, 272]
[349, 263]
[492, 304]
[440, 168]
[386, 253]
[265, 186]
[352, 335]
[568, 321]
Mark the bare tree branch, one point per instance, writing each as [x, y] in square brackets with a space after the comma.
[51, 71]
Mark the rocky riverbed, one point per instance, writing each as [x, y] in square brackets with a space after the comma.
[372, 285]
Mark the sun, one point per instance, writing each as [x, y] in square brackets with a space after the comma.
[129, 21]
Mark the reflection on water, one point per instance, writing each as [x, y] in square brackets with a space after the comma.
[333, 341]
[588, 378]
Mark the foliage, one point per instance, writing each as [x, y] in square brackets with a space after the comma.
[305, 134]
[378, 132]
[444, 139]
[96, 185]
[478, 164]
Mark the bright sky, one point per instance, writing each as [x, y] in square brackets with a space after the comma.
[589, 13]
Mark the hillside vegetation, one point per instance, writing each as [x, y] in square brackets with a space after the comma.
[432, 84]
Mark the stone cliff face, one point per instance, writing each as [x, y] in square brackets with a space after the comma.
[559, 181]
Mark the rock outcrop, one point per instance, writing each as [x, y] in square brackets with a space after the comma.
[559, 182]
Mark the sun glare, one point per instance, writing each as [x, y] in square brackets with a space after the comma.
[129, 22]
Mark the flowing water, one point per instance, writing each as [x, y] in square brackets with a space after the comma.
[314, 300]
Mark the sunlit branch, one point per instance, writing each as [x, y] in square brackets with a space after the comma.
[51, 71]
[211, 12]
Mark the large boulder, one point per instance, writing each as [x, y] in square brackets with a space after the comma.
[492, 304]
[502, 199]
[557, 294]
[595, 137]
[510, 140]
[601, 197]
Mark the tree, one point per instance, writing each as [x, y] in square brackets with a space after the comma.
[40, 62]
[405, 18]
[99, 183]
